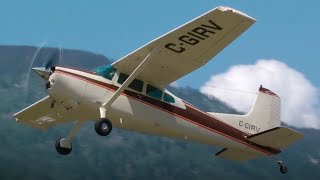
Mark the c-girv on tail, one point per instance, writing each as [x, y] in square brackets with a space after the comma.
[130, 94]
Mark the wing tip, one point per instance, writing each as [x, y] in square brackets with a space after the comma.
[15, 116]
[229, 9]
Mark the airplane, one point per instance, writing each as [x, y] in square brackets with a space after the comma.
[131, 94]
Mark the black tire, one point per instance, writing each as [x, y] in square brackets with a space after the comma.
[103, 127]
[62, 150]
[283, 169]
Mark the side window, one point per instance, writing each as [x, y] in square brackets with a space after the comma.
[106, 71]
[136, 84]
[168, 98]
[154, 92]
[122, 78]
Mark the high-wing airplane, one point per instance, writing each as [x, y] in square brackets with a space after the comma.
[130, 94]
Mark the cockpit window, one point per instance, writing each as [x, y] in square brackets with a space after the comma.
[136, 84]
[106, 71]
[168, 98]
[154, 92]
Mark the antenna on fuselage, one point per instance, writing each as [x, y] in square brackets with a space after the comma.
[234, 90]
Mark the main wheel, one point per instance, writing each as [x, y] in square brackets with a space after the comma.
[103, 127]
[283, 169]
[63, 146]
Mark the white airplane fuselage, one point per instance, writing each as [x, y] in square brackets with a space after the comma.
[86, 91]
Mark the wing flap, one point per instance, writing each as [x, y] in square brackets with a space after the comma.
[236, 154]
[187, 47]
[279, 137]
[42, 114]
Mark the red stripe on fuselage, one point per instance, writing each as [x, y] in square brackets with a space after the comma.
[190, 114]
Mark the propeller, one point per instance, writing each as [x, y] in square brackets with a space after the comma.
[54, 59]
[48, 65]
[49, 61]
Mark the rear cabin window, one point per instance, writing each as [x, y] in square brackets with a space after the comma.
[136, 84]
[154, 92]
[168, 98]
[105, 71]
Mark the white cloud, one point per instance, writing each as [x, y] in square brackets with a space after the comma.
[299, 98]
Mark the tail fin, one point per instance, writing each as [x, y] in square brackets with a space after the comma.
[264, 114]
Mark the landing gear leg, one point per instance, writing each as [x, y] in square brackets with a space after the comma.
[64, 145]
[283, 168]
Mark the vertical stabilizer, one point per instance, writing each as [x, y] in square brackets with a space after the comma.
[264, 114]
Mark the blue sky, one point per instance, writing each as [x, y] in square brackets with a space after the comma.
[286, 30]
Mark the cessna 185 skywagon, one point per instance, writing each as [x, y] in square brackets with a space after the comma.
[130, 94]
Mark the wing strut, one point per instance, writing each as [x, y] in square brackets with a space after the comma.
[126, 83]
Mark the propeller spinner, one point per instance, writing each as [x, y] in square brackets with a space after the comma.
[43, 72]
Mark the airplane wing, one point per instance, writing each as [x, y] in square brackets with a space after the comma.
[187, 47]
[43, 114]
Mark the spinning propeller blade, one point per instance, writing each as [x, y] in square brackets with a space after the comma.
[54, 59]
[48, 63]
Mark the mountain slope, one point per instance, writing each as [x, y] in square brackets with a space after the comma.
[26, 153]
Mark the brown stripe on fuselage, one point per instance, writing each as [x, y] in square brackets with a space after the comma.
[191, 114]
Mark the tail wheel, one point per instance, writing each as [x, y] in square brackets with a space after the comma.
[63, 146]
[283, 169]
[103, 127]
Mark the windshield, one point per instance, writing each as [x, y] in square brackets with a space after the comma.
[105, 71]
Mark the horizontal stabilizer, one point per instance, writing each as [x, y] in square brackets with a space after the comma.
[279, 137]
[236, 154]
